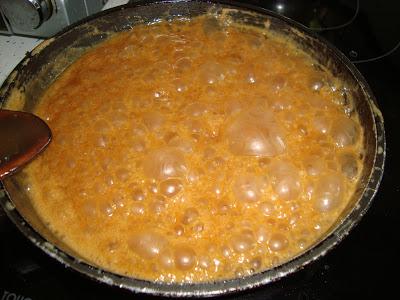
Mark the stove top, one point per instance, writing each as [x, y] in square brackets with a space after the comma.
[367, 32]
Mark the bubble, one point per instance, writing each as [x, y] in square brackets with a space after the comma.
[263, 162]
[340, 100]
[102, 141]
[328, 192]
[138, 194]
[223, 207]
[233, 106]
[262, 234]
[99, 188]
[211, 72]
[280, 102]
[242, 242]
[185, 258]
[112, 246]
[195, 137]
[209, 153]
[195, 126]
[137, 209]
[190, 215]
[101, 126]
[183, 64]
[251, 77]
[183, 144]
[164, 163]
[138, 145]
[108, 180]
[217, 163]
[199, 227]
[117, 202]
[255, 134]
[204, 262]
[309, 191]
[89, 208]
[82, 193]
[179, 230]
[118, 119]
[171, 187]
[301, 243]
[217, 189]
[321, 124]
[108, 209]
[153, 120]
[167, 260]
[180, 85]
[317, 101]
[27, 188]
[344, 132]
[226, 251]
[138, 130]
[161, 67]
[266, 208]
[153, 187]
[315, 83]
[71, 163]
[294, 219]
[302, 130]
[256, 263]
[193, 176]
[147, 244]
[160, 95]
[285, 179]
[122, 174]
[278, 242]
[314, 165]
[196, 109]
[349, 166]
[277, 83]
[248, 188]
[158, 205]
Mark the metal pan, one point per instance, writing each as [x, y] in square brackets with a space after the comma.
[41, 67]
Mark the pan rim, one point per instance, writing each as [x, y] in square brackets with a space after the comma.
[207, 289]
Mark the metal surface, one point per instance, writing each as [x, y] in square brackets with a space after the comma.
[4, 26]
[44, 18]
[26, 14]
[45, 63]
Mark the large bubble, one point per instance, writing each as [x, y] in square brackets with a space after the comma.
[255, 133]
[285, 179]
[164, 163]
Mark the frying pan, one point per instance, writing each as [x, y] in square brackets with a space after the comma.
[39, 69]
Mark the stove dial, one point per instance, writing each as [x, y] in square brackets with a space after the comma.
[26, 14]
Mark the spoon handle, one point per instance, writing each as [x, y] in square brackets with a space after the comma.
[22, 137]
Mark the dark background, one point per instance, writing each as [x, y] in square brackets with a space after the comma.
[363, 265]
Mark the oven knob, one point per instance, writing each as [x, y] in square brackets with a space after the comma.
[26, 14]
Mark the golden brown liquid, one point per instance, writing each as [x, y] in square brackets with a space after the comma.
[186, 151]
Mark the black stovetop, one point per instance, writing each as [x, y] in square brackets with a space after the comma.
[363, 265]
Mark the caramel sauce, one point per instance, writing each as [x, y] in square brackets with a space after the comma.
[192, 151]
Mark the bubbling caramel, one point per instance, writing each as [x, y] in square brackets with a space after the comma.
[194, 151]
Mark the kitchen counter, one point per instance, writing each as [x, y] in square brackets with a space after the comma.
[13, 48]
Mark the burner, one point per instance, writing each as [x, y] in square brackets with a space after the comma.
[362, 30]
[372, 34]
[318, 15]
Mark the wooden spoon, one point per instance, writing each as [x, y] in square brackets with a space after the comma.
[22, 137]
